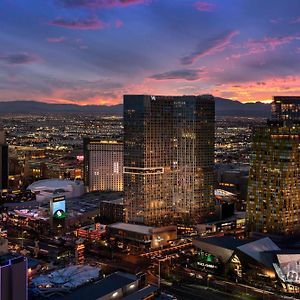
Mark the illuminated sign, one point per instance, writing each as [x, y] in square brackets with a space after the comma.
[207, 260]
[206, 265]
[80, 157]
[60, 198]
[58, 207]
[79, 254]
[289, 267]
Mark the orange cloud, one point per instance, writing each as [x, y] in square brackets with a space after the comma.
[259, 91]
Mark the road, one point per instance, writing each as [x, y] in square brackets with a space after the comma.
[186, 292]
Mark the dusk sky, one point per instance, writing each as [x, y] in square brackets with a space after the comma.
[94, 51]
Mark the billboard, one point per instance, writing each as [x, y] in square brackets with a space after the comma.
[58, 207]
[289, 265]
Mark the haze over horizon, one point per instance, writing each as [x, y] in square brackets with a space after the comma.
[94, 51]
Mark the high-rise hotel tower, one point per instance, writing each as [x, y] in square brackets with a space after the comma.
[273, 204]
[286, 109]
[168, 158]
[103, 164]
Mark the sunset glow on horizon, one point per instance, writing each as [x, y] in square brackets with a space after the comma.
[94, 51]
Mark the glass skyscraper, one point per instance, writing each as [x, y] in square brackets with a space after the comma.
[273, 204]
[286, 109]
[168, 158]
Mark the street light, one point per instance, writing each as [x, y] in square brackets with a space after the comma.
[22, 238]
[159, 261]
[158, 273]
[208, 277]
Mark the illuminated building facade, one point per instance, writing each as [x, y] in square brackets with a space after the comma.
[273, 204]
[103, 165]
[141, 237]
[168, 158]
[79, 253]
[3, 161]
[286, 108]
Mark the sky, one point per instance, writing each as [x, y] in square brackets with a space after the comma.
[94, 51]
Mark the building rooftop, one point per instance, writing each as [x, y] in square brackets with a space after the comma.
[223, 193]
[132, 228]
[67, 278]
[221, 246]
[100, 288]
[90, 201]
[227, 242]
[119, 201]
[254, 249]
[141, 294]
[5, 258]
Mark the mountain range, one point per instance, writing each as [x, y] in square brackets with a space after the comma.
[224, 107]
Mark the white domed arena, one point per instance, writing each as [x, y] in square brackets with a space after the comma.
[49, 188]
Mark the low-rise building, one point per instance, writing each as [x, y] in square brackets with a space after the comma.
[142, 237]
[112, 211]
[260, 262]
[118, 285]
[234, 225]
[93, 232]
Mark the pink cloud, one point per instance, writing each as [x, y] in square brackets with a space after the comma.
[266, 44]
[101, 3]
[205, 6]
[271, 42]
[211, 47]
[81, 24]
[119, 24]
[56, 39]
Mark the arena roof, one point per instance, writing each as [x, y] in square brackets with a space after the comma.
[222, 247]
[53, 184]
[256, 248]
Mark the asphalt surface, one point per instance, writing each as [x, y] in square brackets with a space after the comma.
[186, 292]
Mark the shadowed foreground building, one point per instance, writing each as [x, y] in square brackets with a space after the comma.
[13, 274]
[3, 161]
[168, 158]
[273, 204]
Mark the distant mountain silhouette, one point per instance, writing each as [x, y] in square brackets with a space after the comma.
[224, 107]
[21, 106]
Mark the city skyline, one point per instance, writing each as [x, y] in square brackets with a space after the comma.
[94, 51]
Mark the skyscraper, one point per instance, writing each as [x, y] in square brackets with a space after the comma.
[168, 158]
[286, 108]
[103, 165]
[273, 204]
[3, 161]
